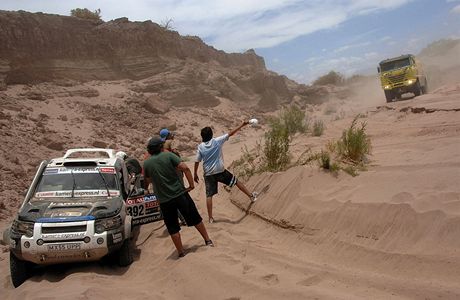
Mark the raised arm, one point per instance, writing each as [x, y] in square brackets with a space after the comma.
[238, 128]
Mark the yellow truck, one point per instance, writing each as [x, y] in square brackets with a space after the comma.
[400, 75]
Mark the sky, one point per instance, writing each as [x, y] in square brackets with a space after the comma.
[300, 39]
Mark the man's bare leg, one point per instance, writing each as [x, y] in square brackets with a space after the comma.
[202, 230]
[243, 188]
[209, 207]
[177, 242]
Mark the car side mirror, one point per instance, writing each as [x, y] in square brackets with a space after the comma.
[378, 69]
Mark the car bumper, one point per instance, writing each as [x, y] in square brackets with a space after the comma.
[65, 247]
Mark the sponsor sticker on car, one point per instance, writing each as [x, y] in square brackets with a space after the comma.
[144, 209]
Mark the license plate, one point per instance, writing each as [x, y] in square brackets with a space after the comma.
[64, 247]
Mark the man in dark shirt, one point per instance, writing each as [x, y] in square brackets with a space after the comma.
[160, 170]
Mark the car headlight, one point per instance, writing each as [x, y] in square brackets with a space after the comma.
[387, 87]
[107, 224]
[23, 228]
[410, 81]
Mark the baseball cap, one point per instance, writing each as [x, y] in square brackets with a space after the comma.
[121, 154]
[164, 134]
[155, 141]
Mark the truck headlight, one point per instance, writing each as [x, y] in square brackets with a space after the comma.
[387, 87]
[107, 224]
[23, 228]
[410, 81]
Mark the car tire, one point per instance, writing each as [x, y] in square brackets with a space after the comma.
[417, 89]
[389, 96]
[20, 270]
[425, 88]
[125, 254]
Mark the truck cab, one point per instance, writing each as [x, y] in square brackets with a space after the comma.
[400, 75]
[75, 210]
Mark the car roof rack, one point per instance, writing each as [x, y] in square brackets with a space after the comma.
[110, 152]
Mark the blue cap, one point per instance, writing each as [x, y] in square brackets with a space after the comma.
[164, 134]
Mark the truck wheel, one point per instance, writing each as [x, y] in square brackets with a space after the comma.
[417, 89]
[20, 270]
[425, 88]
[125, 254]
[389, 96]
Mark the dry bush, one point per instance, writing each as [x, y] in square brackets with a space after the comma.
[332, 78]
[347, 154]
[294, 119]
[318, 128]
[355, 144]
[248, 164]
[84, 13]
[276, 151]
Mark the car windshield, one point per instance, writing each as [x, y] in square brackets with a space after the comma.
[395, 64]
[88, 182]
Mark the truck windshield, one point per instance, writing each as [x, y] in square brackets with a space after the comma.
[395, 64]
[53, 184]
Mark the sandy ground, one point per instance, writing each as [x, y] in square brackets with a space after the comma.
[390, 233]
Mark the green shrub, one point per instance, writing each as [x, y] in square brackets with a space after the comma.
[276, 151]
[294, 120]
[318, 128]
[333, 78]
[247, 165]
[324, 160]
[355, 143]
[84, 13]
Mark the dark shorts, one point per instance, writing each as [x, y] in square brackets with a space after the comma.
[184, 203]
[211, 181]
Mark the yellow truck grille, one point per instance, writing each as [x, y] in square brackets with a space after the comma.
[396, 79]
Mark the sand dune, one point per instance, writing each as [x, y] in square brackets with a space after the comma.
[389, 233]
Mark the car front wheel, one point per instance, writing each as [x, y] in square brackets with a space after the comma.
[20, 270]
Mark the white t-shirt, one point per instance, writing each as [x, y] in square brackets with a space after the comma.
[211, 155]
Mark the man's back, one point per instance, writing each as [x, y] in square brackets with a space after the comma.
[211, 154]
[161, 169]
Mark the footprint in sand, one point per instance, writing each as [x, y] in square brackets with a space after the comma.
[313, 280]
[248, 268]
[271, 279]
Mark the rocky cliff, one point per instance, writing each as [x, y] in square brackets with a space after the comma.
[39, 47]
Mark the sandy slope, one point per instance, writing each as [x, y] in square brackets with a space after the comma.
[390, 233]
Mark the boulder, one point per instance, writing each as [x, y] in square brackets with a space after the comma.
[156, 105]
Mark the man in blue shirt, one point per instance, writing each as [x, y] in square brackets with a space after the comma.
[210, 152]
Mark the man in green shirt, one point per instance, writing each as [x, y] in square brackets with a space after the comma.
[160, 170]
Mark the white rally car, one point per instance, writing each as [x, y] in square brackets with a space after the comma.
[77, 209]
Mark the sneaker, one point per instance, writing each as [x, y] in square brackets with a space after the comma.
[211, 220]
[209, 243]
[254, 196]
[182, 254]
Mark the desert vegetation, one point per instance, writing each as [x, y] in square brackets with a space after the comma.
[318, 128]
[348, 153]
[84, 13]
